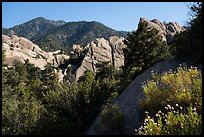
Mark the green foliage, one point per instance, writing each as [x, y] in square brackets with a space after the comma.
[189, 43]
[183, 87]
[95, 91]
[51, 36]
[144, 49]
[174, 122]
[48, 77]
[69, 77]
[112, 118]
[60, 117]
[20, 110]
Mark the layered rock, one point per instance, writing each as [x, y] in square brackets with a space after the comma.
[166, 30]
[102, 50]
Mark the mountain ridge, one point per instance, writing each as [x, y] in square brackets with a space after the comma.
[53, 35]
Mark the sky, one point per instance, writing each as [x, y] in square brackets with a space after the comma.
[116, 15]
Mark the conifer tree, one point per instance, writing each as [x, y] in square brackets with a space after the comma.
[144, 49]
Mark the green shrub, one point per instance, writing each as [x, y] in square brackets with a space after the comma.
[145, 48]
[60, 116]
[112, 119]
[189, 43]
[174, 122]
[183, 87]
[20, 111]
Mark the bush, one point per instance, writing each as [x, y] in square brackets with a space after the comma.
[175, 122]
[112, 119]
[20, 111]
[60, 116]
[183, 87]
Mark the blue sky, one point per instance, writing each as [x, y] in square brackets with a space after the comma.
[117, 15]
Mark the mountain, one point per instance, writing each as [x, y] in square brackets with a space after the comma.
[53, 35]
[34, 28]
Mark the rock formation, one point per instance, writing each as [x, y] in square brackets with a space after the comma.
[20, 48]
[166, 30]
[110, 50]
[128, 101]
[102, 50]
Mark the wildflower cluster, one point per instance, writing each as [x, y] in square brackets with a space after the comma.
[183, 86]
[174, 122]
[174, 99]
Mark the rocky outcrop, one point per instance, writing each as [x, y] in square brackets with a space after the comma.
[166, 30]
[128, 101]
[102, 50]
[20, 48]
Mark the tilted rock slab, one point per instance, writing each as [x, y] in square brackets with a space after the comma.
[128, 101]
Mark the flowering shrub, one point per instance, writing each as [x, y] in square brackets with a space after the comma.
[174, 122]
[183, 87]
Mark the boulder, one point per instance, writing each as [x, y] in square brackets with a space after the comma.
[166, 30]
[5, 46]
[12, 55]
[14, 39]
[102, 50]
[6, 39]
[21, 49]
[77, 48]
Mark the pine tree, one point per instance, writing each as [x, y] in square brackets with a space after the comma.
[144, 49]
[189, 43]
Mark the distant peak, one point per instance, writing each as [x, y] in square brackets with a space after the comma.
[40, 18]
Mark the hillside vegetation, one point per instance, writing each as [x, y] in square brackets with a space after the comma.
[53, 35]
[34, 102]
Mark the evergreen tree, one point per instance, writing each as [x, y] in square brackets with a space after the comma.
[189, 43]
[144, 49]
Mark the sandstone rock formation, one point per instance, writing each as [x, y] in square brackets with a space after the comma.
[166, 30]
[102, 50]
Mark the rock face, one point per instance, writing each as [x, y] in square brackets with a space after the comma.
[20, 48]
[128, 100]
[166, 30]
[102, 50]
